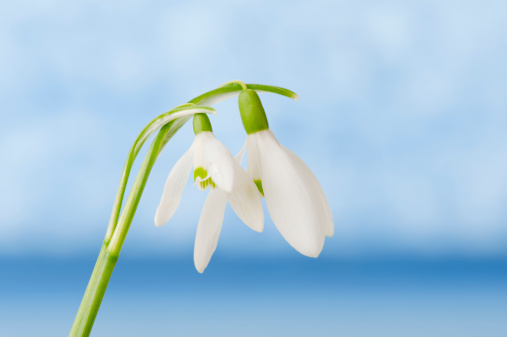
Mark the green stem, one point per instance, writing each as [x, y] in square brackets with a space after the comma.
[82, 307]
[96, 288]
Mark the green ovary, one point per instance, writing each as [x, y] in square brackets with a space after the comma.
[202, 173]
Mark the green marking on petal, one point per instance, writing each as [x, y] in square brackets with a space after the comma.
[205, 183]
[258, 183]
[202, 173]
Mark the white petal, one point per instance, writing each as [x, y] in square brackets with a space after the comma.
[173, 189]
[239, 157]
[245, 200]
[200, 159]
[289, 197]
[253, 158]
[208, 229]
[324, 209]
[220, 163]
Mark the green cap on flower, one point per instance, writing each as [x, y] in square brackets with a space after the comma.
[201, 123]
[252, 112]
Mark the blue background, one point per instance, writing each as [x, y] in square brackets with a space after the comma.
[402, 117]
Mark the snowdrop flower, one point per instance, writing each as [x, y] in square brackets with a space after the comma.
[294, 197]
[216, 169]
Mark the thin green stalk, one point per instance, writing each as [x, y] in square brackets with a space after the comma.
[128, 213]
[80, 312]
[91, 303]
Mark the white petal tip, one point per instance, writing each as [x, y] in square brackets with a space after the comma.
[312, 254]
[158, 221]
[200, 269]
[329, 226]
[259, 228]
[311, 251]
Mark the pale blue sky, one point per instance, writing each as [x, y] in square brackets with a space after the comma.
[402, 117]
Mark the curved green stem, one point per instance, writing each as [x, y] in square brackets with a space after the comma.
[127, 215]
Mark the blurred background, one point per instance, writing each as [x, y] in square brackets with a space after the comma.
[402, 117]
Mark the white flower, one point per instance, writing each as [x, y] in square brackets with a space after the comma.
[293, 195]
[215, 168]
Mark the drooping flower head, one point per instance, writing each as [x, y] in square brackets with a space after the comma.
[294, 197]
[214, 168]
